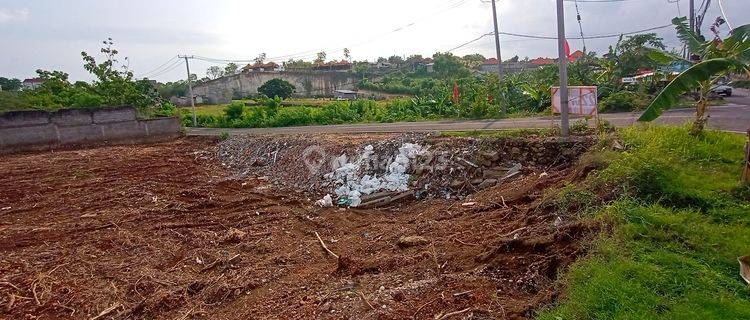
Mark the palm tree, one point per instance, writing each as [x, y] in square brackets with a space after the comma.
[711, 61]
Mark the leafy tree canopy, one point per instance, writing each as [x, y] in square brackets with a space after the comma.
[277, 88]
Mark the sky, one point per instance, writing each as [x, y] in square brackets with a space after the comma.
[50, 34]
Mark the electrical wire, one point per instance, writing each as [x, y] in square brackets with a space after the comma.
[538, 37]
[173, 66]
[723, 14]
[154, 70]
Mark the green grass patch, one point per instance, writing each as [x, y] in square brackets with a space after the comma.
[677, 231]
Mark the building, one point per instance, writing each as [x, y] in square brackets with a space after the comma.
[31, 84]
[345, 95]
[540, 62]
[509, 66]
[342, 65]
[262, 67]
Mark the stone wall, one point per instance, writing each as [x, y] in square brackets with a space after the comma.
[307, 84]
[41, 130]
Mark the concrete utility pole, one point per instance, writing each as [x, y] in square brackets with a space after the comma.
[563, 60]
[503, 107]
[190, 88]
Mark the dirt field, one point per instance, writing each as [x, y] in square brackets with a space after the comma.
[157, 232]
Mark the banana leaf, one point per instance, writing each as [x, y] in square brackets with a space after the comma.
[689, 79]
[693, 40]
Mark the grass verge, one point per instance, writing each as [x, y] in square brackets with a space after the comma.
[678, 223]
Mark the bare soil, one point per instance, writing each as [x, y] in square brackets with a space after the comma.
[161, 232]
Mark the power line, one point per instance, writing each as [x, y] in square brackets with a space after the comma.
[173, 66]
[538, 37]
[160, 66]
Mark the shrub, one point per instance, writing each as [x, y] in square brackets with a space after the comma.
[234, 110]
[623, 101]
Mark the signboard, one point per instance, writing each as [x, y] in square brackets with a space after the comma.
[581, 100]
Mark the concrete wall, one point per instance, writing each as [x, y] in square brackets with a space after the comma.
[41, 130]
[307, 84]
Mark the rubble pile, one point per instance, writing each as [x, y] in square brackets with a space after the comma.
[377, 170]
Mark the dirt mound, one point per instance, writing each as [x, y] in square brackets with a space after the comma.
[165, 232]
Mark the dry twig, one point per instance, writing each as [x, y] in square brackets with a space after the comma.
[414, 316]
[107, 311]
[323, 244]
[365, 300]
[450, 314]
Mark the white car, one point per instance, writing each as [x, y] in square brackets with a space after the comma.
[722, 90]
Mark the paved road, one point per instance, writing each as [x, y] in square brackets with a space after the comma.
[735, 116]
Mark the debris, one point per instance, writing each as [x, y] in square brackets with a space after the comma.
[327, 201]
[412, 241]
[468, 204]
[745, 268]
[543, 175]
[487, 183]
[5, 208]
[234, 235]
[352, 187]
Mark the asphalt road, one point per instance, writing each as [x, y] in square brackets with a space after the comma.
[734, 116]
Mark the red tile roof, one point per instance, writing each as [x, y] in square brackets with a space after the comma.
[490, 61]
[542, 61]
[33, 80]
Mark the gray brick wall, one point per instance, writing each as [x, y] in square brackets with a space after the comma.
[40, 130]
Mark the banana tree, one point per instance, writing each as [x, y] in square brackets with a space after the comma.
[711, 61]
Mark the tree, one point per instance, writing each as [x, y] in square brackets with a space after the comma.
[347, 54]
[321, 57]
[473, 61]
[260, 59]
[277, 88]
[395, 60]
[297, 64]
[10, 84]
[214, 72]
[449, 66]
[711, 61]
[230, 69]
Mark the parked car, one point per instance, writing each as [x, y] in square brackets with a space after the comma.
[722, 90]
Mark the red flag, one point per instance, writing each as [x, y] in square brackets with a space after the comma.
[567, 52]
[456, 94]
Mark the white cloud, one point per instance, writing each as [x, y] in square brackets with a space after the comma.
[8, 16]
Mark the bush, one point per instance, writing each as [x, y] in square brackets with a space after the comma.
[623, 101]
[234, 110]
[277, 88]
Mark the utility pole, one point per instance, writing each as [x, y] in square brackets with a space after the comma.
[503, 107]
[190, 88]
[563, 61]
